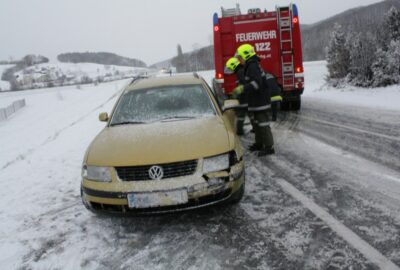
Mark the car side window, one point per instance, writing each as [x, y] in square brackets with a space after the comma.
[220, 102]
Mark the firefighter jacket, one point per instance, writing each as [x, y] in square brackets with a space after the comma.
[243, 99]
[273, 87]
[259, 96]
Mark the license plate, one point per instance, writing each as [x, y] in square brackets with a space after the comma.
[160, 198]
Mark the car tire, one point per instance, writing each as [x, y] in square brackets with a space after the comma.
[84, 202]
[237, 196]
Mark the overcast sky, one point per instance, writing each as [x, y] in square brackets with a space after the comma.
[147, 29]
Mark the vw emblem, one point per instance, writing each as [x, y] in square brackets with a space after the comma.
[156, 173]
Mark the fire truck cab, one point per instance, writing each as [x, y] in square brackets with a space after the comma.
[276, 38]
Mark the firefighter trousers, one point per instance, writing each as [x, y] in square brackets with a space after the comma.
[263, 134]
[240, 117]
[274, 110]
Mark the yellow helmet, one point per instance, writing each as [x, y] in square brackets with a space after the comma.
[246, 51]
[232, 63]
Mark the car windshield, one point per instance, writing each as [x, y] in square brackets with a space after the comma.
[167, 103]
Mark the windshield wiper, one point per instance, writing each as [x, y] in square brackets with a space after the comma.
[127, 123]
[177, 117]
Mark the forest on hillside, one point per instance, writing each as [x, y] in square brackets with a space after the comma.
[103, 58]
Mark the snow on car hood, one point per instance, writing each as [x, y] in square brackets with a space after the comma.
[157, 143]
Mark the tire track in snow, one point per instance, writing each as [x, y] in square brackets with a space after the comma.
[53, 137]
[344, 232]
[181, 260]
[370, 253]
[355, 138]
[173, 228]
[349, 128]
[216, 229]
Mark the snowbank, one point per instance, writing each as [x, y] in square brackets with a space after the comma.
[316, 87]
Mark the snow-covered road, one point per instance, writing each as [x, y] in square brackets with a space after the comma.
[329, 198]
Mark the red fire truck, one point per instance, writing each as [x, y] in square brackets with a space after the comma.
[276, 38]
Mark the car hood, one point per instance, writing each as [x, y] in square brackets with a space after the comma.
[157, 143]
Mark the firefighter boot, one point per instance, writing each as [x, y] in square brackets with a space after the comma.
[255, 147]
[266, 151]
[268, 148]
[258, 145]
[265, 134]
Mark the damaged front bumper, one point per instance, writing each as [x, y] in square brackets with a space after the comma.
[185, 193]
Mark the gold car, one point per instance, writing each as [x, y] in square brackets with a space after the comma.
[168, 146]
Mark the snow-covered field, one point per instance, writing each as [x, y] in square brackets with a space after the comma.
[383, 97]
[41, 152]
[89, 69]
[44, 225]
[38, 76]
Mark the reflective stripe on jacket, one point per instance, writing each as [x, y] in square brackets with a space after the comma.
[276, 98]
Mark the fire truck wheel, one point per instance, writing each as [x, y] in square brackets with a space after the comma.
[296, 104]
[285, 105]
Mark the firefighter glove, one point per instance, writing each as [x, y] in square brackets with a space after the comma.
[238, 90]
[276, 98]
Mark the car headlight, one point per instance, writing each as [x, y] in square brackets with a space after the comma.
[215, 164]
[95, 173]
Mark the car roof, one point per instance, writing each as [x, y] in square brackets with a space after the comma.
[153, 82]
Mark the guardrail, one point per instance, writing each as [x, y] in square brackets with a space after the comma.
[5, 113]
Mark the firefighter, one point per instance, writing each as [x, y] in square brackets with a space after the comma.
[276, 97]
[259, 99]
[234, 65]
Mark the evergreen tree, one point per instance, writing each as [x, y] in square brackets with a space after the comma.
[201, 59]
[338, 54]
[180, 60]
[362, 56]
[393, 55]
[386, 68]
[392, 24]
[381, 76]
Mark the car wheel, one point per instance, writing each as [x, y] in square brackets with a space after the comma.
[237, 196]
[84, 202]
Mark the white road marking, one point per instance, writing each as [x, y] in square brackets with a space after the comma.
[389, 177]
[352, 128]
[348, 235]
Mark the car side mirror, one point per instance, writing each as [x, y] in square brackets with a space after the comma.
[230, 104]
[103, 117]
